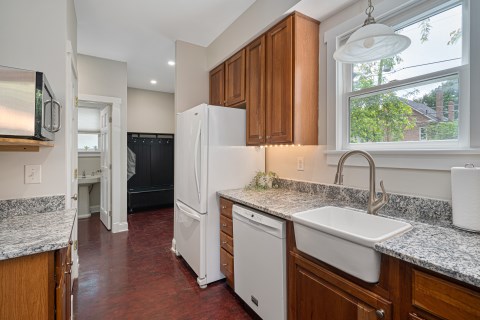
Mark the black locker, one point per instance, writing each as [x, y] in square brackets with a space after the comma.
[152, 184]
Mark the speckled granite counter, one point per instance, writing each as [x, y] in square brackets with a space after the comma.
[435, 246]
[22, 235]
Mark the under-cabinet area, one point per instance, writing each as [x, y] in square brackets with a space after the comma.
[426, 288]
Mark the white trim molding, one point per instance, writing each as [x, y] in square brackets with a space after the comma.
[443, 160]
[117, 197]
[119, 227]
[441, 156]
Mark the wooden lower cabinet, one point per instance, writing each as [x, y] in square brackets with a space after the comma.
[316, 293]
[36, 286]
[226, 241]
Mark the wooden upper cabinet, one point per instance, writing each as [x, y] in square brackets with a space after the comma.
[255, 75]
[217, 92]
[292, 81]
[279, 109]
[235, 79]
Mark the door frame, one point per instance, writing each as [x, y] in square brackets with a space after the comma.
[116, 103]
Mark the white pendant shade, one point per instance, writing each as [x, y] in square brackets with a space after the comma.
[370, 43]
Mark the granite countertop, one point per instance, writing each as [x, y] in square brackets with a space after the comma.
[446, 250]
[22, 235]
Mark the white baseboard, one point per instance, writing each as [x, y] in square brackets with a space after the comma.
[119, 227]
[94, 209]
[84, 216]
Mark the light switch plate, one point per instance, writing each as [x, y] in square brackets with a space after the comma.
[300, 164]
[33, 174]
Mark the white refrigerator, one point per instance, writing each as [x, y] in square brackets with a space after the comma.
[211, 155]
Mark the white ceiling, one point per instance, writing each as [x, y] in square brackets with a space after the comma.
[143, 32]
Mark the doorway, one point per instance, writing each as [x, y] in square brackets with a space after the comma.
[96, 164]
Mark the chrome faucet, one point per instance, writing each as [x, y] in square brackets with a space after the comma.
[374, 203]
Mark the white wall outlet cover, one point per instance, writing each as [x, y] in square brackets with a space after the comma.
[33, 174]
[300, 164]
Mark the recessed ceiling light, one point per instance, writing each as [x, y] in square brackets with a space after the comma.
[171, 63]
[153, 81]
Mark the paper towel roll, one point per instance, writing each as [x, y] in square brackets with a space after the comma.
[466, 197]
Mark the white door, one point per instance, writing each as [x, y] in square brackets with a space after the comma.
[72, 127]
[192, 158]
[105, 166]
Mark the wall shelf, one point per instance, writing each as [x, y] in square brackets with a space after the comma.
[23, 145]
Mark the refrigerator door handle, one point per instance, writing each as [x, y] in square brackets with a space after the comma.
[195, 165]
[188, 212]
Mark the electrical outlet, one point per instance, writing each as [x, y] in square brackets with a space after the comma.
[33, 174]
[300, 164]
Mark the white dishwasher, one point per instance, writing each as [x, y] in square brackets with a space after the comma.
[259, 251]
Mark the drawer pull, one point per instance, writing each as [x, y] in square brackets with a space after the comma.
[224, 225]
[380, 313]
[224, 207]
[224, 242]
[224, 264]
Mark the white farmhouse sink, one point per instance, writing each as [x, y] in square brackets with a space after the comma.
[345, 238]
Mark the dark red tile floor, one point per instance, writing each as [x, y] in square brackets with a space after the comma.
[134, 275]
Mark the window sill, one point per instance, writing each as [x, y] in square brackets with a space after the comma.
[437, 159]
[88, 154]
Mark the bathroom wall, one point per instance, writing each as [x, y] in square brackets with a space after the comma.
[90, 164]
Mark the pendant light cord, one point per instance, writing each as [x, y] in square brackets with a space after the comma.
[368, 12]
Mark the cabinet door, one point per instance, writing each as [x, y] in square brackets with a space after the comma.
[217, 93]
[279, 115]
[256, 92]
[320, 300]
[235, 79]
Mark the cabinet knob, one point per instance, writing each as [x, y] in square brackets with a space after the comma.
[224, 207]
[224, 264]
[224, 242]
[259, 137]
[380, 313]
[268, 137]
[224, 225]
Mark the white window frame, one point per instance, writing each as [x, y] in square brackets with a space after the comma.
[418, 155]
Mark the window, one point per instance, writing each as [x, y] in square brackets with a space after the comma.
[88, 129]
[414, 100]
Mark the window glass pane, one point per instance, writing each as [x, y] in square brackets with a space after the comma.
[418, 112]
[88, 141]
[88, 119]
[436, 45]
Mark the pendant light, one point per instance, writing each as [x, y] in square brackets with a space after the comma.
[373, 41]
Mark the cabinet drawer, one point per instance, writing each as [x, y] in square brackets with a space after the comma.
[444, 299]
[413, 316]
[226, 242]
[226, 266]
[226, 225]
[226, 207]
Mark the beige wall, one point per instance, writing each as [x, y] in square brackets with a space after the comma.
[191, 76]
[255, 20]
[102, 77]
[150, 111]
[31, 42]
[428, 183]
